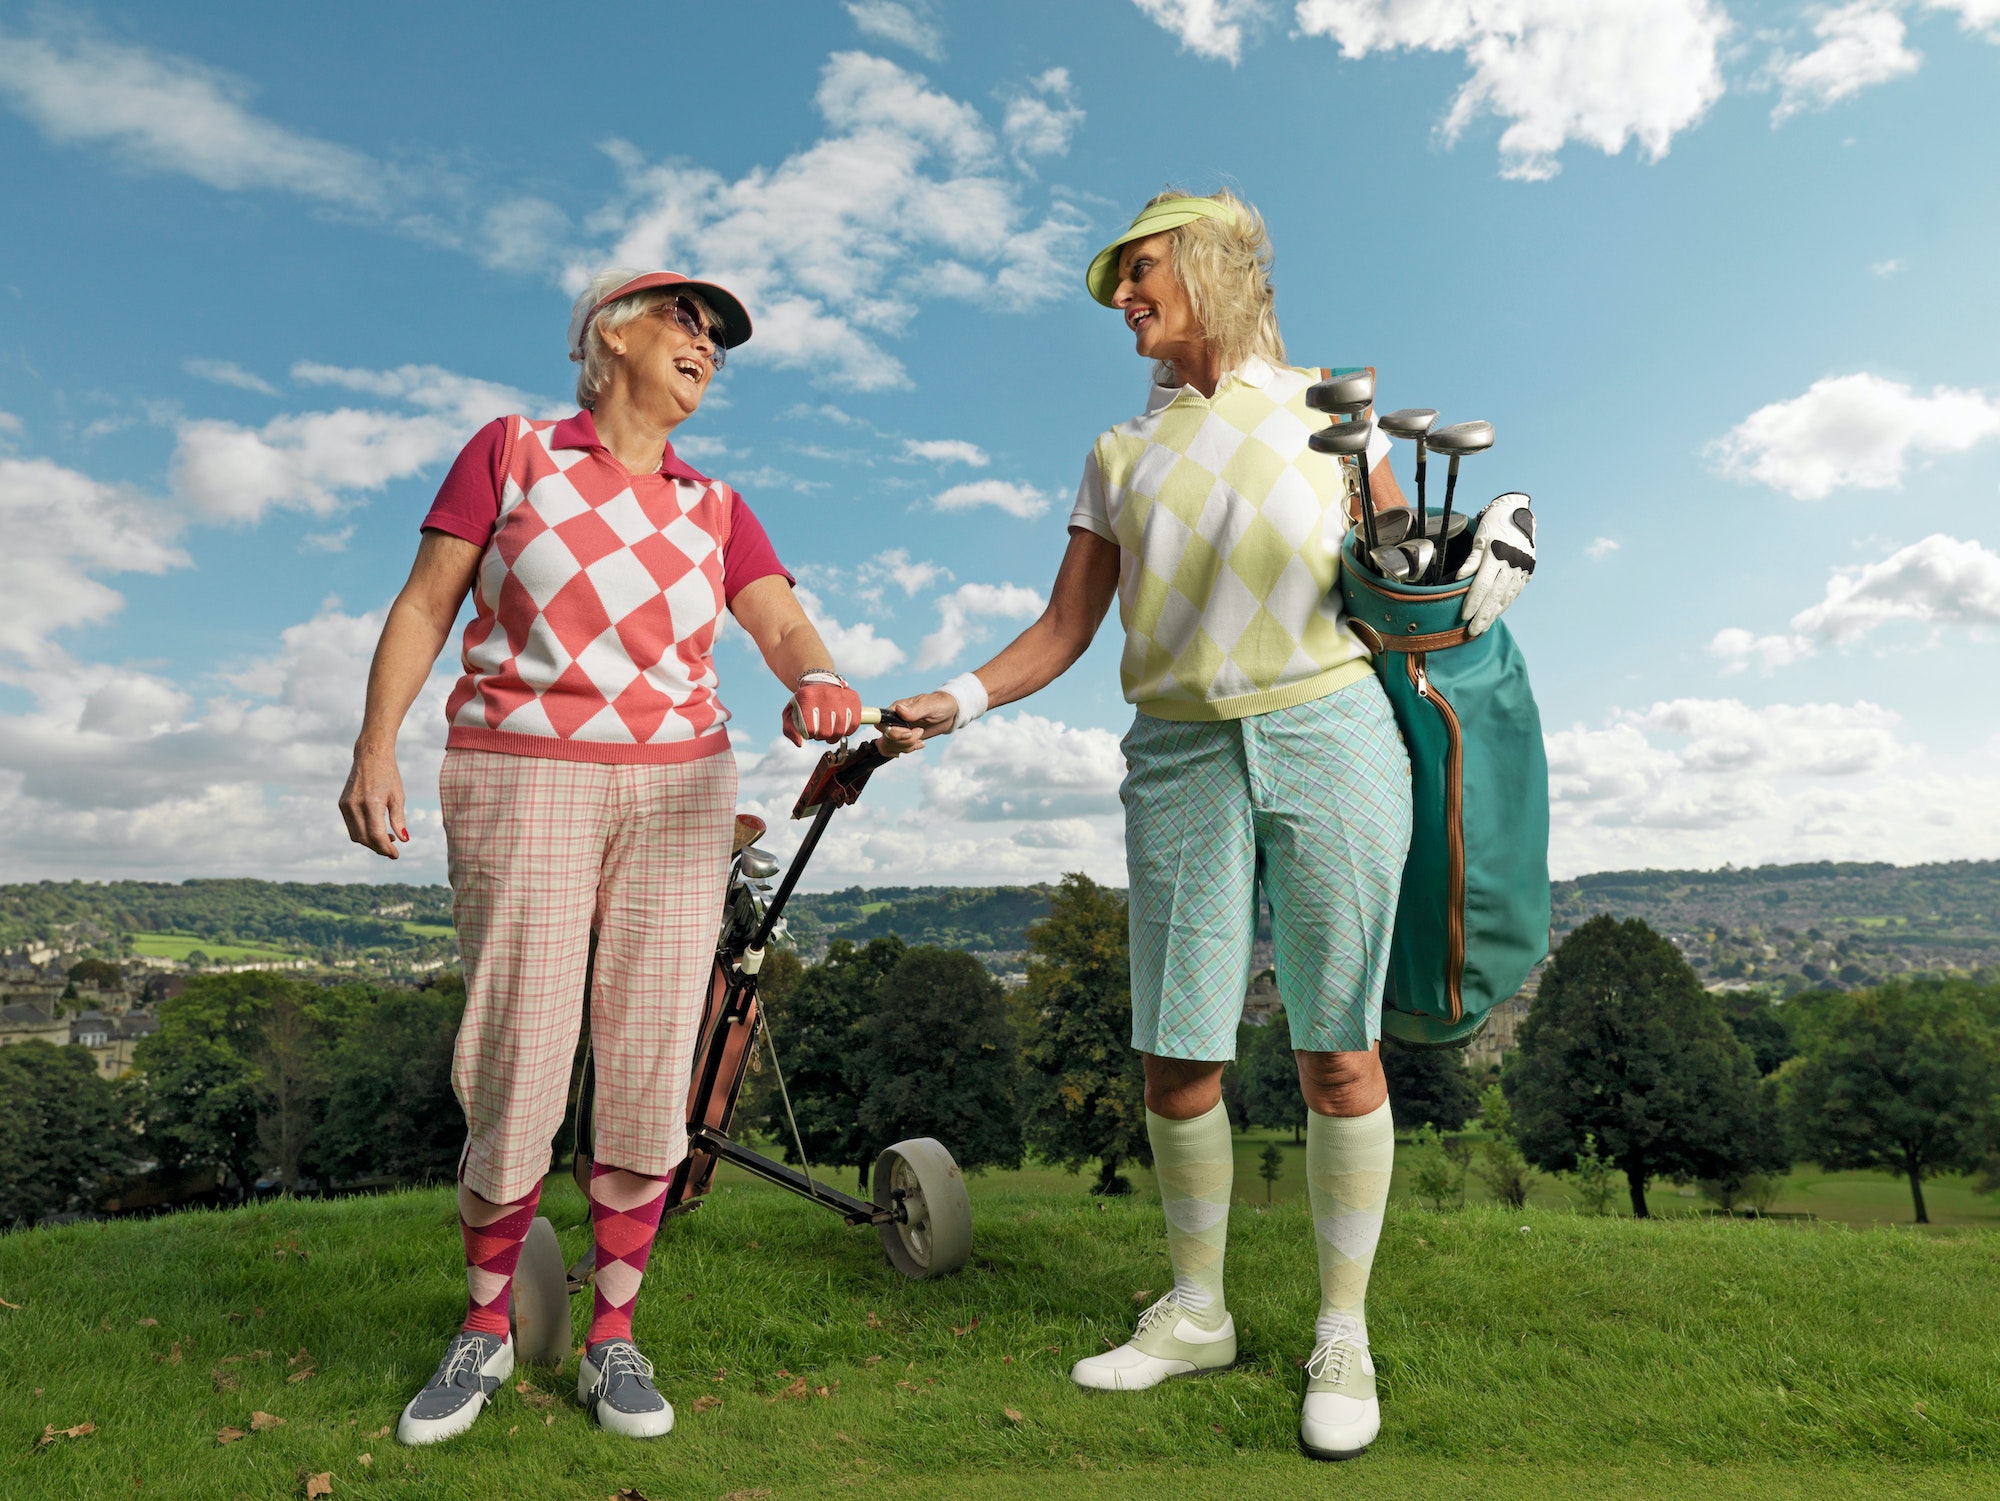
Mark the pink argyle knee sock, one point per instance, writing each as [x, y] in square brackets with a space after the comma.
[492, 1250]
[624, 1215]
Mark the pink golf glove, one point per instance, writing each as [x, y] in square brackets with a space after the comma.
[823, 707]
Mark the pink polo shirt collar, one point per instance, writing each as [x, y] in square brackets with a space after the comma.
[580, 431]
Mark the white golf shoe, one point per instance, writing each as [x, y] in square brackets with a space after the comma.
[473, 1367]
[1166, 1343]
[1341, 1416]
[614, 1382]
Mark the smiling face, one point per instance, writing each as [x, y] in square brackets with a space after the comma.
[1155, 304]
[659, 366]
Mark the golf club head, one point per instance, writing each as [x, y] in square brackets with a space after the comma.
[1343, 438]
[1393, 526]
[1408, 422]
[1343, 393]
[1461, 438]
[1404, 561]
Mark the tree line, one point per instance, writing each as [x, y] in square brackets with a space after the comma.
[1627, 1069]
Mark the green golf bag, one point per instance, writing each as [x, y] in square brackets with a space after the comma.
[1473, 918]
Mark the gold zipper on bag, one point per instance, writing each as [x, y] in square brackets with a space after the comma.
[1454, 824]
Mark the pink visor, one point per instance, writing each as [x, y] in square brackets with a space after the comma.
[721, 302]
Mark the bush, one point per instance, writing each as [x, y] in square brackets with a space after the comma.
[1434, 1178]
[1596, 1177]
[1501, 1167]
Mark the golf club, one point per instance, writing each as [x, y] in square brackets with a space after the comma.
[1350, 440]
[1458, 440]
[1348, 395]
[1404, 561]
[1413, 423]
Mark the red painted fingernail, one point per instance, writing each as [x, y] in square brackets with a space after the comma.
[405, 833]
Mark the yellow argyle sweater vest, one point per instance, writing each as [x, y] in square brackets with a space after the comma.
[1230, 528]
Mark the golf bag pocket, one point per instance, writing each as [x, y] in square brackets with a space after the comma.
[1473, 917]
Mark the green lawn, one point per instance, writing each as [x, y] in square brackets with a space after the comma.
[178, 946]
[430, 929]
[1573, 1357]
[1860, 1199]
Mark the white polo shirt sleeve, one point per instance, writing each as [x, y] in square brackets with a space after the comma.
[1092, 511]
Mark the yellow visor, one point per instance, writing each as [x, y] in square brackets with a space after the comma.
[1170, 213]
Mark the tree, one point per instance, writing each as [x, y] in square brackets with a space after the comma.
[1902, 1078]
[1083, 1086]
[938, 1057]
[1623, 1044]
[1596, 1177]
[1270, 1165]
[1501, 1167]
[101, 973]
[201, 1099]
[1428, 1084]
[1269, 1071]
[1436, 1178]
[290, 1057]
[390, 1111]
[64, 1128]
[815, 1030]
[1760, 1027]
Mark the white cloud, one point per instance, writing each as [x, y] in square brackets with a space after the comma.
[333, 541]
[116, 771]
[1599, 548]
[910, 26]
[1041, 122]
[172, 114]
[1024, 766]
[1851, 431]
[895, 567]
[1860, 45]
[906, 198]
[1890, 267]
[1980, 17]
[1556, 70]
[1697, 782]
[960, 612]
[229, 373]
[9, 423]
[1938, 581]
[946, 451]
[1207, 28]
[1016, 500]
[857, 651]
[310, 461]
[61, 530]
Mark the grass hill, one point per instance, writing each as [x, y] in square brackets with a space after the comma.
[1782, 927]
[1523, 1354]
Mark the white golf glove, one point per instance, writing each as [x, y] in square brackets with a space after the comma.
[1501, 562]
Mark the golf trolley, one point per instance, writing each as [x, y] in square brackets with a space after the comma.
[920, 1207]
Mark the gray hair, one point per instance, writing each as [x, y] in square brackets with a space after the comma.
[614, 315]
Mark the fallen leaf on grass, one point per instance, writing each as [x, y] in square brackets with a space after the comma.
[1142, 1294]
[871, 1360]
[230, 1435]
[224, 1381]
[364, 1459]
[289, 1247]
[5, 1304]
[1216, 1426]
[796, 1390]
[781, 1374]
[382, 1432]
[961, 1333]
[1006, 1360]
[149, 1323]
[820, 1391]
[707, 1404]
[172, 1357]
[907, 1386]
[755, 1245]
[302, 1358]
[549, 1421]
[1013, 1414]
[534, 1396]
[297, 1376]
[873, 1322]
[319, 1485]
[514, 1430]
[722, 1373]
[259, 1421]
[50, 1433]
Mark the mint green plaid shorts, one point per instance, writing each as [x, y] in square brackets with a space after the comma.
[1311, 802]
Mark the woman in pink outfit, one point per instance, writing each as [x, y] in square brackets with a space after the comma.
[587, 786]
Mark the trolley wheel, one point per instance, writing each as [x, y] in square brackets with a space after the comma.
[541, 1299]
[935, 1236]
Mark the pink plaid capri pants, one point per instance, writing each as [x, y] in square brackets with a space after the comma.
[541, 853]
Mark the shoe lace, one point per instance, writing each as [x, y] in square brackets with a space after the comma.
[1167, 1308]
[623, 1359]
[466, 1355]
[1329, 1361]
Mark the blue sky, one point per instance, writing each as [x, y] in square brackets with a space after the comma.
[1719, 272]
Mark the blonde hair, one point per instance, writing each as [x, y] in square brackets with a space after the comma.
[1225, 265]
[596, 364]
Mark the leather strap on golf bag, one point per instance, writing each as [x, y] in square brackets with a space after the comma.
[1473, 918]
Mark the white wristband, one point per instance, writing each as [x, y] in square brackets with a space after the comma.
[971, 696]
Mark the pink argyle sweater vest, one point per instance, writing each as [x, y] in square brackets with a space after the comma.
[596, 608]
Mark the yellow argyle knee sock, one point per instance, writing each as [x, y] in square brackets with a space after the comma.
[1348, 1159]
[1195, 1166]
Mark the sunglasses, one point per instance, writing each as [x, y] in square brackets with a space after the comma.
[683, 311]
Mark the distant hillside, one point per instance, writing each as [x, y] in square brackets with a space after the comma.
[1781, 927]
